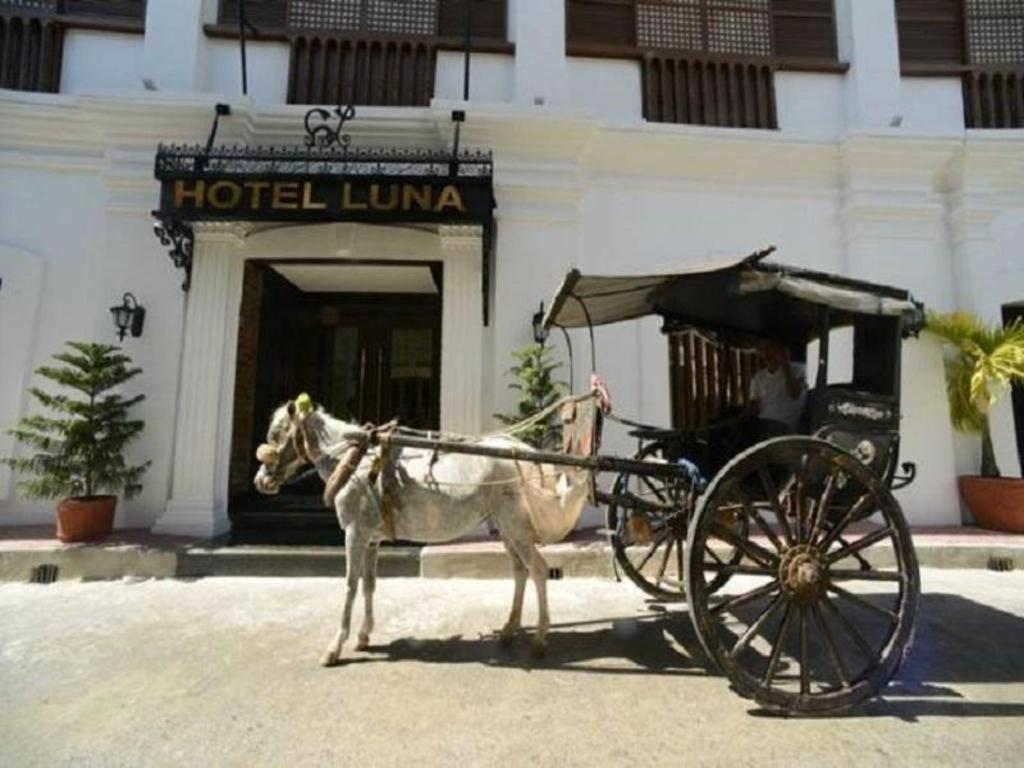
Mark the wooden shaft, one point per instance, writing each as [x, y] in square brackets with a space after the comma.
[595, 463]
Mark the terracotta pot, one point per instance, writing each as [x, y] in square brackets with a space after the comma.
[85, 518]
[995, 502]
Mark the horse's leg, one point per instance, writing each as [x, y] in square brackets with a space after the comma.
[515, 616]
[538, 570]
[369, 585]
[355, 557]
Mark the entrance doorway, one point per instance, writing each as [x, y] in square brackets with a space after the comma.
[363, 339]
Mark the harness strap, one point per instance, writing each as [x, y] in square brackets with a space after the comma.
[347, 465]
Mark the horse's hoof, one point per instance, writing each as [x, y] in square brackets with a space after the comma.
[363, 643]
[330, 659]
[539, 648]
[506, 637]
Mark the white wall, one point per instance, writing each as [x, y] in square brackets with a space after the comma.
[266, 65]
[609, 89]
[811, 103]
[491, 77]
[932, 104]
[101, 61]
[87, 259]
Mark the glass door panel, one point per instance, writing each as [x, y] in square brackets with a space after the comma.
[412, 377]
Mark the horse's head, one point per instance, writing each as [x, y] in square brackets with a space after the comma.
[285, 451]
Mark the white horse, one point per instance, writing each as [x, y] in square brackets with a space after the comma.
[434, 498]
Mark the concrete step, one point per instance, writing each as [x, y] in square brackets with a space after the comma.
[586, 554]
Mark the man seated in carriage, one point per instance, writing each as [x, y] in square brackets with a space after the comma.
[777, 392]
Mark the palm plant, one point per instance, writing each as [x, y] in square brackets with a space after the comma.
[983, 363]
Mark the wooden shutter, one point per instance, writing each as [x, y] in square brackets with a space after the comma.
[121, 9]
[262, 14]
[931, 32]
[489, 19]
[804, 29]
[600, 25]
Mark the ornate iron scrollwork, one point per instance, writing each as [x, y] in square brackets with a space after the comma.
[179, 238]
[325, 135]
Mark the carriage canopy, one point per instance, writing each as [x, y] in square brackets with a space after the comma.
[746, 295]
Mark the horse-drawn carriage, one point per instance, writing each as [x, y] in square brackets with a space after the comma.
[792, 551]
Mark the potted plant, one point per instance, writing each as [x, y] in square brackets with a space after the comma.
[77, 451]
[984, 362]
[534, 380]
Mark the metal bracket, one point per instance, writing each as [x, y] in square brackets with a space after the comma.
[180, 239]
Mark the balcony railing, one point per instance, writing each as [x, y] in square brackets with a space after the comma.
[374, 52]
[994, 97]
[680, 88]
[342, 70]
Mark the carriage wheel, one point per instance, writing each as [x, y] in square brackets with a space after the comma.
[820, 612]
[648, 543]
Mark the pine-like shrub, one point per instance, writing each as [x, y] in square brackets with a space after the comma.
[535, 382]
[78, 447]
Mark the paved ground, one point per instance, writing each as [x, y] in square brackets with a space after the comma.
[224, 672]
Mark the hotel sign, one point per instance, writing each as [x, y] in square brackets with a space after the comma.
[366, 199]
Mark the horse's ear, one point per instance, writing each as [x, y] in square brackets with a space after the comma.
[291, 409]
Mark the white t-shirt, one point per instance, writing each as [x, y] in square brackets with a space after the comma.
[769, 389]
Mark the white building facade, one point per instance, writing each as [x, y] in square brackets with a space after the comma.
[843, 133]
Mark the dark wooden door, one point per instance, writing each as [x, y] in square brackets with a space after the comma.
[364, 357]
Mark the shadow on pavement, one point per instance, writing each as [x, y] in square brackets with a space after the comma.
[957, 641]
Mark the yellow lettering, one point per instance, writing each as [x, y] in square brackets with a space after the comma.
[308, 203]
[284, 195]
[256, 193]
[219, 200]
[449, 198]
[421, 196]
[347, 203]
[383, 205]
[197, 194]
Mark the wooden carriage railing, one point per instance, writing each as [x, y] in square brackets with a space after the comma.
[683, 88]
[706, 378]
[32, 35]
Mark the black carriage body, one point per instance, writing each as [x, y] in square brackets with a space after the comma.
[742, 301]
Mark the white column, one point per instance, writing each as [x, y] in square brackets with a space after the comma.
[538, 29]
[198, 504]
[462, 330]
[174, 47]
[867, 39]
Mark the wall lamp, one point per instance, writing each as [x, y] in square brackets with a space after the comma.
[128, 316]
[540, 333]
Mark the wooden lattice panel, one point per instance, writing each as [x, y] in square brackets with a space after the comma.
[390, 17]
[402, 17]
[325, 14]
[995, 31]
[740, 27]
[670, 24]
